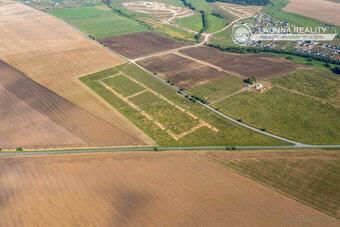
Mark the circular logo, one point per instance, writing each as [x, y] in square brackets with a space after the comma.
[241, 34]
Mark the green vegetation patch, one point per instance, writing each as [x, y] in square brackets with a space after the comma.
[123, 85]
[287, 114]
[317, 82]
[217, 89]
[166, 114]
[315, 181]
[98, 23]
[192, 22]
[229, 134]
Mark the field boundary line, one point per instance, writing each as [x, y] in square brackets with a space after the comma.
[310, 96]
[223, 164]
[228, 96]
[146, 115]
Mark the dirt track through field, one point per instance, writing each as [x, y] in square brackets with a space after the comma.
[135, 189]
[323, 10]
[55, 55]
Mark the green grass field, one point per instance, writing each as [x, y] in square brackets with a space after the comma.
[286, 114]
[214, 23]
[192, 22]
[318, 82]
[98, 23]
[123, 85]
[229, 134]
[217, 89]
[168, 115]
[311, 176]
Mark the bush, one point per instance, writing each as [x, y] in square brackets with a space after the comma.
[336, 70]
[289, 58]
[155, 149]
[19, 149]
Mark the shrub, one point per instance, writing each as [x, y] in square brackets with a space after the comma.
[19, 149]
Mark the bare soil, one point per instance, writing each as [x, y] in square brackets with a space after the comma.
[328, 11]
[262, 66]
[33, 116]
[174, 188]
[55, 55]
[182, 71]
[140, 44]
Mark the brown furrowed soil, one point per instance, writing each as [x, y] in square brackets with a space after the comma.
[324, 10]
[184, 72]
[55, 121]
[174, 188]
[55, 55]
[260, 65]
[140, 44]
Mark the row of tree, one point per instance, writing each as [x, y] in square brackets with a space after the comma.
[243, 2]
[204, 23]
[244, 50]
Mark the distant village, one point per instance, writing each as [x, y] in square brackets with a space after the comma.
[265, 24]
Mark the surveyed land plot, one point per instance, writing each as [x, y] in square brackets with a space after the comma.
[157, 103]
[164, 113]
[182, 71]
[136, 189]
[140, 44]
[260, 65]
[54, 54]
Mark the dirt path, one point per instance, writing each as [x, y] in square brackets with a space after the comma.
[228, 96]
[310, 96]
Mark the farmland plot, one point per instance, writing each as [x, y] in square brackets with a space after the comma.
[55, 55]
[174, 188]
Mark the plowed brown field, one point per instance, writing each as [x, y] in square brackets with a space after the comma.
[55, 55]
[136, 189]
[140, 44]
[184, 72]
[34, 117]
[262, 66]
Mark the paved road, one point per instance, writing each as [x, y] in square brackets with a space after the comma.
[162, 149]
[295, 144]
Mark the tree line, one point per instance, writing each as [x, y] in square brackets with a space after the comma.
[244, 50]
[243, 2]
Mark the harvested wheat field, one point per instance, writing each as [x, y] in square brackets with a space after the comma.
[140, 44]
[323, 10]
[174, 188]
[55, 55]
[33, 116]
[182, 71]
[263, 66]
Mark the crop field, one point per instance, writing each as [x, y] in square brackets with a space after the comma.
[260, 65]
[140, 44]
[55, 55]
[98, 23]
[285, 113]
[241, 10]
[312, 176]
[56, 122]
[183, 72]
[317, 82]
[136, 189]
[322, 10]
[162, 113]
